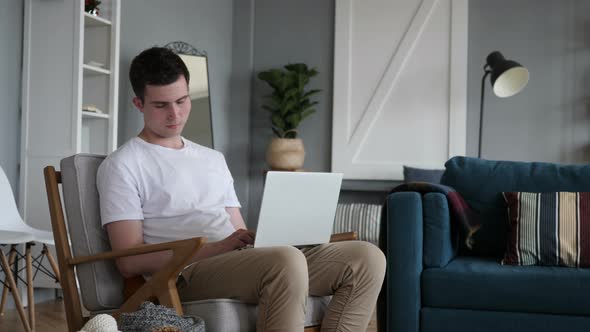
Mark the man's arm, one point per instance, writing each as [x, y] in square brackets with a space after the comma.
[236, 217]
[125, 234]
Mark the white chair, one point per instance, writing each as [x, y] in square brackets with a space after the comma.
[14, 231]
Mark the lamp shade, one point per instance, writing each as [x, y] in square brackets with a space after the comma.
[507, 77]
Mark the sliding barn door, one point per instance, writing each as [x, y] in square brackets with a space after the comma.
[400, 81]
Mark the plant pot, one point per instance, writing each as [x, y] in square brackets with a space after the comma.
[285, 154]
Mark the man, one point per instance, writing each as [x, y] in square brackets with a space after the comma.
[160, 187]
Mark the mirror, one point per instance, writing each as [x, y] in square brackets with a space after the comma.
[199, 126]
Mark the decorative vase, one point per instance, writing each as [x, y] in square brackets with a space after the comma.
[285, 154]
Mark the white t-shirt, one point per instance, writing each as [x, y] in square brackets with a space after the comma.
[178, 193]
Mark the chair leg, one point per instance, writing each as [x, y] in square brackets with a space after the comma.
[30, 294]
[52, 262]
[14, 291]
[5, 288]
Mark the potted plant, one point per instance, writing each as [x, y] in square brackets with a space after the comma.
[289, 104]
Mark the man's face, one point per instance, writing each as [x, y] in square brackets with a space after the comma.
[165, 108]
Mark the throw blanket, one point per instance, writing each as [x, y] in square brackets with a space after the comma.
[461, 214]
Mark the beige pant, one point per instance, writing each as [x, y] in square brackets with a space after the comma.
[278, 279]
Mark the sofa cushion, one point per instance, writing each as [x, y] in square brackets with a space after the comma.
[481, 183]
[222, 315]
[548, 229]
[483, 284]
[437, 320]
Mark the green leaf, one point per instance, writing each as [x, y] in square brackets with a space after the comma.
[274, 130]
[291, 93]
[277, 121]
[297, 67]
[310, 93]
[289, 106]
[276, 99]
[273, 77]
[294, 119]
[307, 113]
[306, 104]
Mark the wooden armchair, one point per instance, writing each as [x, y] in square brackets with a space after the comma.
[90, 261]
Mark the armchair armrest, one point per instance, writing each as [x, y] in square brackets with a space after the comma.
[139, 250]
[162, 284]
[348, 236]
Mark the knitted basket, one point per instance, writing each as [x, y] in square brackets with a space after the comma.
[153, 318]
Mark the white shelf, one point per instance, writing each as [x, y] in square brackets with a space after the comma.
[92, 70]
[63, 72]
[92, 115]
[95, 21]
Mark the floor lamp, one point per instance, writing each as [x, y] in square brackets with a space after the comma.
[507, 77]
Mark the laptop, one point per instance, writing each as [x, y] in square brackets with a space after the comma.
[298, 208]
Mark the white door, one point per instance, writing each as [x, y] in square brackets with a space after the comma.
[400, 81]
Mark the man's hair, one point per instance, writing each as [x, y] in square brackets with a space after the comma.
[156, 66]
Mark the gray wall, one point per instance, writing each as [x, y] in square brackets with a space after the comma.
[288, 31]
[11, 37]
[550, 119]
[209, 26]
[241, 88]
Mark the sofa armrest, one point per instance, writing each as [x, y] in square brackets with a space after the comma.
[440, 242]
[403, 248]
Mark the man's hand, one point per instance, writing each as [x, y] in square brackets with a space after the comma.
[237, 239]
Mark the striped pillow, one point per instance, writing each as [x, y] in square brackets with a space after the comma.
[362, 218]
[548, 229]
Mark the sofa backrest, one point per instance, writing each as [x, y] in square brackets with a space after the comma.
[101, 284]
[481, 183]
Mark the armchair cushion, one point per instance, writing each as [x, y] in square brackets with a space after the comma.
[548, 229]
[232, 315]
[101, 285]
[483, 284]
[481, 183]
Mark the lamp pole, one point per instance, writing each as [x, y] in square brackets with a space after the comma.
[487, 71]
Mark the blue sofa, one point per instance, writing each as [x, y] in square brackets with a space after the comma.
[433, 283]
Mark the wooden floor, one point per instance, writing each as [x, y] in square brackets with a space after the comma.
[51, 317]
